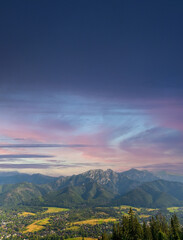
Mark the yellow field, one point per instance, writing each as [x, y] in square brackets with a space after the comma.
[144, 216]
[73, 228]
[152, 209]
[55, 210]
[173, 209]
[128, 207]
[24, 214]
[37, 225]
[80, 238]
[95, 221]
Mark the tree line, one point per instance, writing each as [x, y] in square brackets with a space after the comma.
[156, 229]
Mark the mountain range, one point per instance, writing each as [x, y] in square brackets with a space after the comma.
[92, 188]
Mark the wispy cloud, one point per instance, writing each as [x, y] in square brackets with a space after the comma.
[25, 166]
[24, 156]
[122, 132]
[155, 142]
[46, 165]
[46, 146]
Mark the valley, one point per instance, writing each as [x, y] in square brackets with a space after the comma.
[84, 205]
[38, 223]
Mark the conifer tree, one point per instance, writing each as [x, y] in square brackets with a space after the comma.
[104, 236]
[146, 232]
[175, 228]
[154, 228]
[162, 236]
[163, 224]
[157, 229]
[135, 229]
[124, 230]
[116, 232]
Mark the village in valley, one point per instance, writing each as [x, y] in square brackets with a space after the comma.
[62, 223]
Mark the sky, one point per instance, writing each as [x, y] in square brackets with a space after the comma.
[91, 84]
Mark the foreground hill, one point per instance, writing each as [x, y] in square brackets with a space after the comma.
[22, 193]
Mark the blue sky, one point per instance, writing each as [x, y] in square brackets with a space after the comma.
[91, 84]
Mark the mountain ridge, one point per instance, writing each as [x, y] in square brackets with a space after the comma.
[92, 188]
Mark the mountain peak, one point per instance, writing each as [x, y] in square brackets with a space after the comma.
[93, 172]
[141, 176]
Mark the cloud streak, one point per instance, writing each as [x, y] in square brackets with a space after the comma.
[25, 166]
[24, 156]
[47, 146]
[121, 133]
[155, 141]
[46, 165]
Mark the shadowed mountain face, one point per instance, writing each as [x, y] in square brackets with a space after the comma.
[154, 194]
[88, 193]
[141, 176]
[21, 193]
[110, 180]
[92, 188]
[169, 176]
